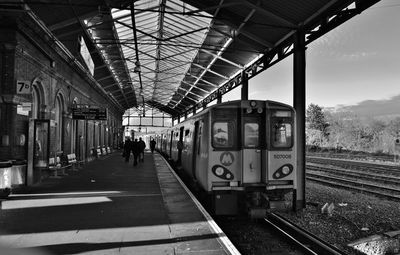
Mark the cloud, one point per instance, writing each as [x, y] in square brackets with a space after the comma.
[373, 108]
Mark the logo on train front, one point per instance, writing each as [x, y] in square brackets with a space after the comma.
[226, 158]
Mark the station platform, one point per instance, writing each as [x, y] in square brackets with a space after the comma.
[110, 207]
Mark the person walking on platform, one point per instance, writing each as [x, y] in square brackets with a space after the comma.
[135, 151]
[127, 149]
[142, 145]
[152, 145]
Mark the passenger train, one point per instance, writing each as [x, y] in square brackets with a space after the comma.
[241, 154]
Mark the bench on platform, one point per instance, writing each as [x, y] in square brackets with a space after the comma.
[56, 168]
[98, 152]
[71, 159]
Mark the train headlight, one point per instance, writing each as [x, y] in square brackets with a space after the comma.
[259, 110]
[219, 171]
[222, 172]
[249, 110]
[253, 104]
[285, 170]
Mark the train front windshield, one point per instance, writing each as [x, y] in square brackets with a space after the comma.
[223, 134]
[251, 134]
[281, 130]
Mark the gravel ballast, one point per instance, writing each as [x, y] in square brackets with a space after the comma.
[355, 216]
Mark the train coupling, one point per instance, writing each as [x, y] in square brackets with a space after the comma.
[257, 213]
[257, 205]
[278, 206]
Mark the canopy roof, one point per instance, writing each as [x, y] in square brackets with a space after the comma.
[176, 55]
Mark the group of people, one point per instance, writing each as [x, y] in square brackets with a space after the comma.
[137, 149]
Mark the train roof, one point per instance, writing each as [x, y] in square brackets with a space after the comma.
[233, 103]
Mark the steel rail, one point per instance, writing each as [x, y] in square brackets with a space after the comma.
[352, 187]
[309, 243]
[355, 182]
[354, 163]
[343, 172]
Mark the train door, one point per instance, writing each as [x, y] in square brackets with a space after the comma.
[171, 140]
[196, 151]
[179, 145]
[251, 153]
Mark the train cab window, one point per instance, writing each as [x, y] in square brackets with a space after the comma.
[282, 134]
[223, 134]
[251, 135]
[281, 129]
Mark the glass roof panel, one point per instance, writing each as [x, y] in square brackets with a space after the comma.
[163, 37]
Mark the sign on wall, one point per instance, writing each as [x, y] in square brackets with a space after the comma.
[89, 113]
[24, 108]
[24, 87]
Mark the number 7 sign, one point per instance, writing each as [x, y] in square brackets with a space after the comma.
[23, 87]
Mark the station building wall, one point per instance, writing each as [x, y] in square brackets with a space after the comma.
[57, 83]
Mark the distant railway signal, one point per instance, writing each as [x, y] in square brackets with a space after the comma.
[397, 149]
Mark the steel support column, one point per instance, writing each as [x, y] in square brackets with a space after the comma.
[245, 86]
[219, 97]
[299, 103]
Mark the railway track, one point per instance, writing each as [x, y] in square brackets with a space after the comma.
[387, 169]
[383, 158]
[305, 241]
[375, 179]
[357, 175]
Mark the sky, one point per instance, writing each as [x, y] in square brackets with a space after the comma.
[356, 62]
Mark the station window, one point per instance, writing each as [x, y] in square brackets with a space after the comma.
[251, 135]
[223, 134]
[282, 133]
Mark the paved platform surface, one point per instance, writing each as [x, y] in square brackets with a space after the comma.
[109, 207]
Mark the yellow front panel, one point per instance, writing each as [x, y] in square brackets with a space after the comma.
[251, 166]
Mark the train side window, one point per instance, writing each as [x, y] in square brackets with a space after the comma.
[282, 134]
[222, 134]
[251, 135]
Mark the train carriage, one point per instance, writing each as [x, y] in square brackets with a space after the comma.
[240, 153]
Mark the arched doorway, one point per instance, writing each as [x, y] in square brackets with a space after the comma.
[35, 112]
[38, 135]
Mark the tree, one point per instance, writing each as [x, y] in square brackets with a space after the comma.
[315, 119]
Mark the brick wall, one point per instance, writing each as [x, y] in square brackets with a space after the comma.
[26, 55]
